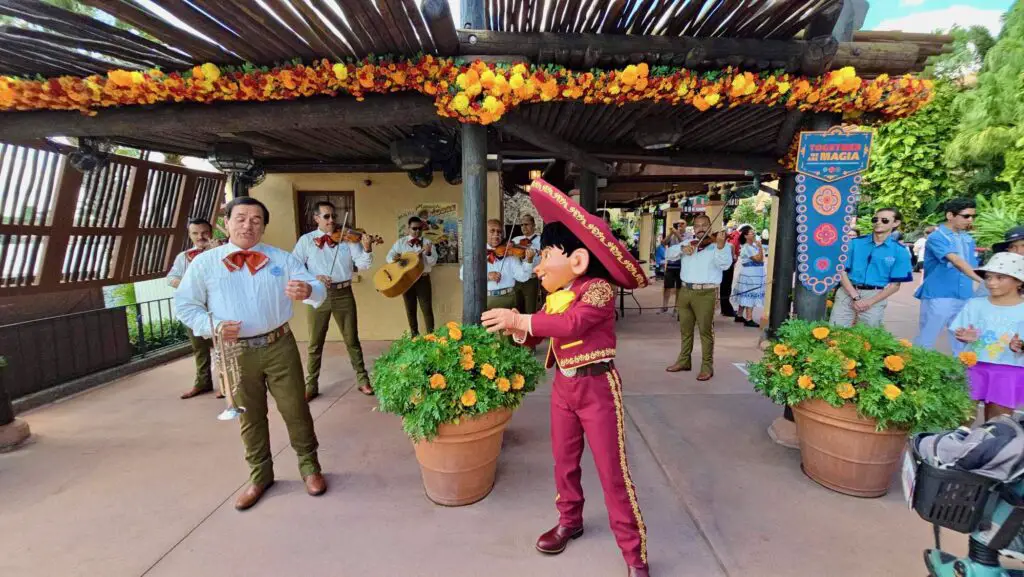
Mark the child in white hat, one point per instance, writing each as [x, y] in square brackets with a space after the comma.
[991, 327]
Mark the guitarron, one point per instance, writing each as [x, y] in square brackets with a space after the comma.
[397, 277]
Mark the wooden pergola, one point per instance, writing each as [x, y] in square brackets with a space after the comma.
[319, 133]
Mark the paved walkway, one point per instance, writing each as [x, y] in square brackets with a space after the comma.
[127, 480]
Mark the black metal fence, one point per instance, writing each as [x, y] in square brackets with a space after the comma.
[47, 352]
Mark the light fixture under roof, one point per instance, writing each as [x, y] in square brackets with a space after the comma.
[231, 156]
[654, 133]
[409, 154]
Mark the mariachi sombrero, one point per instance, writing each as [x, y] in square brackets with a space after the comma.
[554, 206]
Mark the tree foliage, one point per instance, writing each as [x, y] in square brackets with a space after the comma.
[970, 45]
[907, 171]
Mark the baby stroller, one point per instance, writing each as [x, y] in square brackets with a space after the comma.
[970, 481]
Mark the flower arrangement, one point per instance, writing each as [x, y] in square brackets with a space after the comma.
[457, 371]
[889, 380]
[476, 92]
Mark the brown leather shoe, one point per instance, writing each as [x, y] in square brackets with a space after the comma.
[638, 572]
[678, 367]
[251, 496]
[705, 376]
[554, 541]
[366, 389]
[310, 395]
[316, 485]
[195, 392]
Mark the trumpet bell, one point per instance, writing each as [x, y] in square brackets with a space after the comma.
[231, 413]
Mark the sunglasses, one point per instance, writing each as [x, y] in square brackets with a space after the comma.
[967, 216]
[415, 228]
[327, 216]
[880, 219]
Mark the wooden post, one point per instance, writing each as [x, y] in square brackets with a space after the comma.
[474, 199]
[646, 237]
[809, 306]
[587, 183]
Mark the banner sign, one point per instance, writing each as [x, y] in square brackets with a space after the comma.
[829, 166]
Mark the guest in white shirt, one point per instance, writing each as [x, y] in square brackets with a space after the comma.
[333, 264]
[700, 274]
[248, 287]
[201, 234]
[503, 272]
[421, 291]
[673, 252]
[528, 292]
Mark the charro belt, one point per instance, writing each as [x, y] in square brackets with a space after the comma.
[266, 339]
[591, 370]
[699, 286]
[340, 285]
[500, 292]
[867, 287]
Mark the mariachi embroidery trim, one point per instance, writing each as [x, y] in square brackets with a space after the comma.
[616, 388]
[586, 358]
[598, 294]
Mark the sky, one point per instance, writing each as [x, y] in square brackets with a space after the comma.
[929, 15]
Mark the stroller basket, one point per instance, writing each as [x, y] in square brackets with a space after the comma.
[952, 499]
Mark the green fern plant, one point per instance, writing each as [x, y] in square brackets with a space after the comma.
[996, 216]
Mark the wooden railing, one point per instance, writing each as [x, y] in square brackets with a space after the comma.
[61, 229]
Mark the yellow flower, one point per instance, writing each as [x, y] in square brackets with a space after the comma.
[906, 343]
[805, 382]
[211, 72]
[629, 75]
[488, 371]
[437, 381]
[712, 99]
[821, 333]
[780, 350]
[503, 384]
[894, 363]
[468, 398]
[340, 71]
[969, 358]
[558, 302]
[461, 102]
[518, 381]
[891, 392]
[454, 333]
[849, 365]
[846, 390]
[121, 78]
[783, 87]
[517, 81]
[786, 370]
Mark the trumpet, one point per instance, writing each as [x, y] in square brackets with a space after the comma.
[228, 372]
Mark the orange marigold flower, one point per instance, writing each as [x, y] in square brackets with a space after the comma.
[468, 398]
[451, 325]
[518, 381]
[906, 343]
[849, 365]
[443, 340]
[969, 358]
[846, 390]
[488, 371]
[780, 350]
[894, 363]
[852, 374]
[786, 370]
[466, 350]
[805, 382]
[821, 333]
[455, 333]
[437, 381]
[867, 346]
[503, 384]
[891, 392]
[467, 363]
[430, 337]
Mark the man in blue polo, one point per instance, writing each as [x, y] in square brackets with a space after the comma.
[876, 265]
[949, 277]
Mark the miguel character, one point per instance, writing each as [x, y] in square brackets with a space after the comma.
[580, 261]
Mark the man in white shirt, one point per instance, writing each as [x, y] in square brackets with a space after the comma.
[673, 252]
[528, 292]
[421, 291]
[700, 273]
[248, 288]
[201, 234]
[333, 264]
[503, 272]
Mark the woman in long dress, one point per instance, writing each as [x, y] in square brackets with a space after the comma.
[748, 288]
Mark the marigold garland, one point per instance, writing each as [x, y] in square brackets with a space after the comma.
[474, 92]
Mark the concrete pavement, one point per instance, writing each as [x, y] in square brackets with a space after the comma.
[127, 480]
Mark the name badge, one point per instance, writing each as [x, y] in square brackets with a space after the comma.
[890, 260]
[277, 271]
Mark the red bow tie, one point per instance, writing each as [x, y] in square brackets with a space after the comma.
[325, 239]
[415, 242]
[492, 257]
[191, 254]
[251, 259]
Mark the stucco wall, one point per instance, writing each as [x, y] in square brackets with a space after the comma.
[377, 206]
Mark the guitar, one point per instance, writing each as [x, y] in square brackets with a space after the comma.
[395, 278]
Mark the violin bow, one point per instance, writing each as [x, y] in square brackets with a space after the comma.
[338, 245]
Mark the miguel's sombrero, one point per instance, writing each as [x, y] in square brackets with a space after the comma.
[554, 206]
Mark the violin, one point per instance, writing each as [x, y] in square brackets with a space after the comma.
[353, 235]
[516, 251]
[708, 239]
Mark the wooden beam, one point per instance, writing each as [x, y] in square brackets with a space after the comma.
[517, 126]
[282, 165]
[676, 178]
[317, 114]
[725, 160]
[878, 57]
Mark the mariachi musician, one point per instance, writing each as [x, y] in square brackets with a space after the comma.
[506, 265]
[420, 292]
[581, 262]
[704, 259]
[332, 254]
[200, 232]
[527, 292]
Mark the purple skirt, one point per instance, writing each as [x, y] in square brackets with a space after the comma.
[999, 384]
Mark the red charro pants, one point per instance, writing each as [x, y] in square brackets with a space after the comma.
[592, 406]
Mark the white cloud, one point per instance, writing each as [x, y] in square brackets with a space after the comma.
[931, 20]
[911, 2]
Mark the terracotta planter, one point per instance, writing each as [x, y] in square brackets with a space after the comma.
[842, 451]
[458, 466]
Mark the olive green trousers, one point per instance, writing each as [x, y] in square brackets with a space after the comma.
[341, 304]
[201, 353]
[697, 307]
[527, 294]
